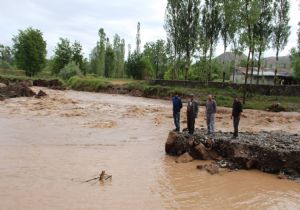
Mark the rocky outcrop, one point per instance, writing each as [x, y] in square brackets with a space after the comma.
[272, 152]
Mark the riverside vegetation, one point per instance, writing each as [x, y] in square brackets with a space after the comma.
[143, 88]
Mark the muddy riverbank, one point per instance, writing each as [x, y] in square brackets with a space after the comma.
[48, 146]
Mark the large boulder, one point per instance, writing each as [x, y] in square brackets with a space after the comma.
[204, 153]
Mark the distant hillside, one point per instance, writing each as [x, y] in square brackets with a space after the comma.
[268, 62]
[229, 57]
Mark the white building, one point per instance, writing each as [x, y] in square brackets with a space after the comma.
[265, 76]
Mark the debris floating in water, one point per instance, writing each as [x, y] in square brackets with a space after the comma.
[102, 177]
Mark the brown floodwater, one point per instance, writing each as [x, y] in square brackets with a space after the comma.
[49, 146]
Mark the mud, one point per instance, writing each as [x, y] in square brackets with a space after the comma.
[20, 89]
[50, 146]
[54, 84]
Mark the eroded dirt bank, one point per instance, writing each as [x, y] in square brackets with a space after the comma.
[48, 146]
[272, 152]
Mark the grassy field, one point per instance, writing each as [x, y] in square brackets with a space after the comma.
[223, 96]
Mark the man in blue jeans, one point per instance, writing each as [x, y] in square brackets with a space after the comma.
[177, 105]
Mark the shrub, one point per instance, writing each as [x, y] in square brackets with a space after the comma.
[70, 70]
[5, 65]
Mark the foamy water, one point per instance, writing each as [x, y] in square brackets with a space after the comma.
[49, 147]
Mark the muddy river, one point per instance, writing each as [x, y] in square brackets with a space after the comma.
[49, 146]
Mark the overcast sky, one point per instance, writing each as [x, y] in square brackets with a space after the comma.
[81, 19]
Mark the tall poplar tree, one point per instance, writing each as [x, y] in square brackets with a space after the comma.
[138, 38]
[281, 29]
[189, 29]
[263, 30]
[213, 27]
[230, 24]
[172, 27]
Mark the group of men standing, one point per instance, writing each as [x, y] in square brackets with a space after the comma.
[210, 111]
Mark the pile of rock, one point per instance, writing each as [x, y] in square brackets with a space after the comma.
[272, 152]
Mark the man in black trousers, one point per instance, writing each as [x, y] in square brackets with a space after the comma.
[192, 114]
[237, 110]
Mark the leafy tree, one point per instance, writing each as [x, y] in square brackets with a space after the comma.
[93, 61]
[101, 53]
[299, 37]
[119, 50]
[249, 18]
[30, 51]
[295, 57]
[213, 27]
[172, 27]
[138, 38]
[77, 56]
[65, 53]
[6, 57]
[109, 60]
[97, 56]
[62, 55]
[157, 55]
[138, 67]
[263, 30]
[230, 24]
[189, 29]
[281, 29]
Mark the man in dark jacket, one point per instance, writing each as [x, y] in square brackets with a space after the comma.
[177, 105]
[192, 114]
[211, 110]
[237, 110]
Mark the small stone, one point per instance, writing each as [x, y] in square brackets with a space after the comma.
[212, 169]
[249, 164]
[185, 158]
[2, 85]
[200, 167]
[41, 94]
[281, 175]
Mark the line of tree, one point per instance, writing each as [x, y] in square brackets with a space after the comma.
[108, 59]
[195, 27]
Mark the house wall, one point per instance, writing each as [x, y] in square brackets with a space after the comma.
[240, 79]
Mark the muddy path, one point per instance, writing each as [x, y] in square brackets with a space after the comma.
[49, 145]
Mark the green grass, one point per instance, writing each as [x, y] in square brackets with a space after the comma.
[90, 84]
[20, 74]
